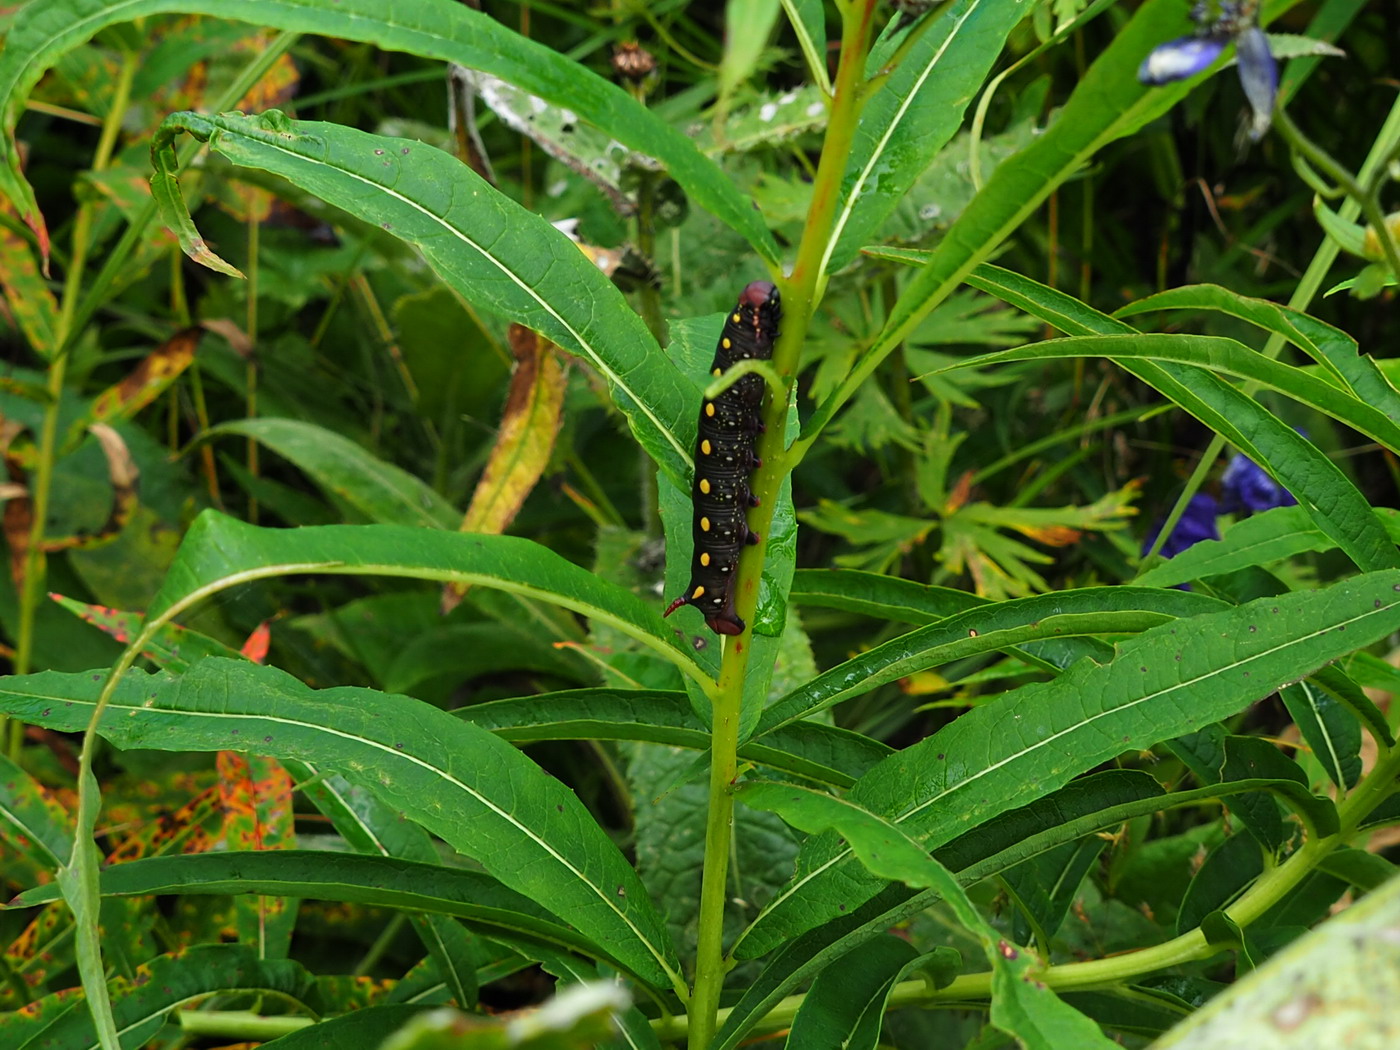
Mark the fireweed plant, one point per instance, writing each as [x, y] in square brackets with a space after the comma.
[974, 772]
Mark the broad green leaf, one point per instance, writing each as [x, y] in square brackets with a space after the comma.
[809, 750]
[492, 251]
[1169, 680]
[219, 551]
[845, 1006]
[1021, 1005]
[389, 882]
[914, 114]
[1330, 347]
[1330, 499]
[1217, 354]
[988, 628]
[439, 29]
[1323, 990]
[1107, 104]
[348, 472]
[476, 792]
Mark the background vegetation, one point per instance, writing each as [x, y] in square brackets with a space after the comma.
[375, 539]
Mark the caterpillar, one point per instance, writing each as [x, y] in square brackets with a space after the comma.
[724, 459]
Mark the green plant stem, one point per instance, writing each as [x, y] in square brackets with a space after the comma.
[1386, 142]
[42, 483]
[798, 295]
[971, 990]
[239, 1025]
[1322, 160]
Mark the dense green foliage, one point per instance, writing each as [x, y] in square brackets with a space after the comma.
[349, 427]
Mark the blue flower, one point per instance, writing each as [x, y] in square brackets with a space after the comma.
[1186, 56]
[1246, 487]
[1197, 523]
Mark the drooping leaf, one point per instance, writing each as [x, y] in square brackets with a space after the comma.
[496, 253]
[521, 824]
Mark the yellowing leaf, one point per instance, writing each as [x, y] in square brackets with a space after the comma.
[524, 443]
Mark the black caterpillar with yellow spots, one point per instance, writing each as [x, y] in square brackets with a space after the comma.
[724, 459]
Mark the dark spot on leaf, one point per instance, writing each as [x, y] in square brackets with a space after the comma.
[387, 225]
[404, 151]
[1252, 629]
[843, 907]
[379, 153]
[560, 807]
[398, 747]
[940, 756]
[621, 891]
[45, 712]
[1143, 670]
[235, 732]
[267, 740]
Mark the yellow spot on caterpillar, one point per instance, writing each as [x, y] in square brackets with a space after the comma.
[726, 343]
[704, 486]
[736, 318]
[704, 524]
[699, 592]
[705, 558]
[705, 447]
[709, 408]
[717, 372]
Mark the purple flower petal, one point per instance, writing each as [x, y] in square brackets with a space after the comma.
[1197, 522]
[1258, 76]
[1245, 486]
[1181, 58]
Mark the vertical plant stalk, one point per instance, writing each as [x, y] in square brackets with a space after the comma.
[798, 291]
[42, 481]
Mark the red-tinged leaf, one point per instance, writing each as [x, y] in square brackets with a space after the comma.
[174, 647]
[43, 950]
[186, 830]
[256, 646]
[36, 830]
[524, 443]
[30, 304]
[256, 794]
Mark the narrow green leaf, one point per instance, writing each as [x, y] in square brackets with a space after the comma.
[845, 1006]
[810, 750]
[1227, 870]
[1107, 104]
[1218, 354]
[1031, 740]
[32, 819]
[381, 491]
[141, 1005]
[379, 881]
[1329, 729]
[488, 248]
[366, 1027]
[1326, 494]
[1044, 888]
[439, 29]
[914, 114]
[1021, 1006]
[1330, 347]
[747, 26]
[219, 551]
[988, 628]
[808, 21]
[1093, 803]
[1261, 539]
[476, 792]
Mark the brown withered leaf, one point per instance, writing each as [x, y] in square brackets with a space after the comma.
[146, 382]
[530, 422]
